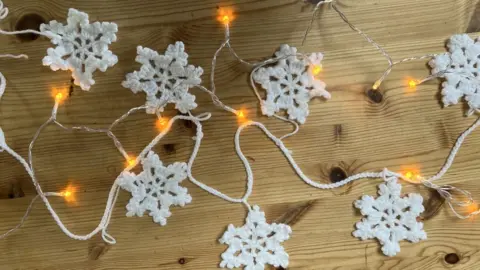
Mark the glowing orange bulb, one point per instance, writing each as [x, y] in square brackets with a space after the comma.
[412, 84]
[409, 175]
[130, 161]
[472, 208]
[69, 193]
[225, 16]
[316, 70]
[162, 123]
[241, 114]
[59, 94]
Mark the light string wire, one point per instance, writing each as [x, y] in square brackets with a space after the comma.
[377, 46]
[444, 191]
[114, 191]
[43, 195]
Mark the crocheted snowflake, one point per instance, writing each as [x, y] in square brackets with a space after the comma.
[390, 218]
[290, 84]
[461, 69]
[81, 47]
[256, 243]
[156, 188]
[165, 78]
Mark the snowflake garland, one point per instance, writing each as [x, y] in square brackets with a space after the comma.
[81, 47]
[165, 78]
[290, 84]
[256, 243]
[390, 218]
[156, 188]
[461, 69]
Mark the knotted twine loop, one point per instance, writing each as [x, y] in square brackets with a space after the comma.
[451, 195]
[107, 237]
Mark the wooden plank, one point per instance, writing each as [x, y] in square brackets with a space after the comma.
[349, 133]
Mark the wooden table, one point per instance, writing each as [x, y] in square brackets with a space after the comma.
[349, 134]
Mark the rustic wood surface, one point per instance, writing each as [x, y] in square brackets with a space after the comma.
[349, 134]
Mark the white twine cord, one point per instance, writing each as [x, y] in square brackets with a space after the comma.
[213, 191]
[3, 81]
[444, 191]
[4, 14]
[3, 84]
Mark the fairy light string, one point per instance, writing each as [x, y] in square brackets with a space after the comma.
[164, 126]
[445, 191]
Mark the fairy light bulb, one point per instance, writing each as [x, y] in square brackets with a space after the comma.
[413, 176]
[69, 193]
[472, 208]
[59, 94]
[225, 16]
[59, 97]
[241, 114]
[412, 84]
[130, 161]
[162, 123]
[317, 69]
[226, 19]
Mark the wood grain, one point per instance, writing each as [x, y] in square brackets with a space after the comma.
[351, 133]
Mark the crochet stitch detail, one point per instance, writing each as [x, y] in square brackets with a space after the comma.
[390, 218]
[81, 47]
[290, 84]
[165, 78]
[461, 69]
[256, 243]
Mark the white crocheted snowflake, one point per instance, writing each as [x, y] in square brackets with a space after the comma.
[390, 218]
[461, 69]
[165, 78]
[256, 243]
[81, 47]
[156, 188]
[290, 84]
